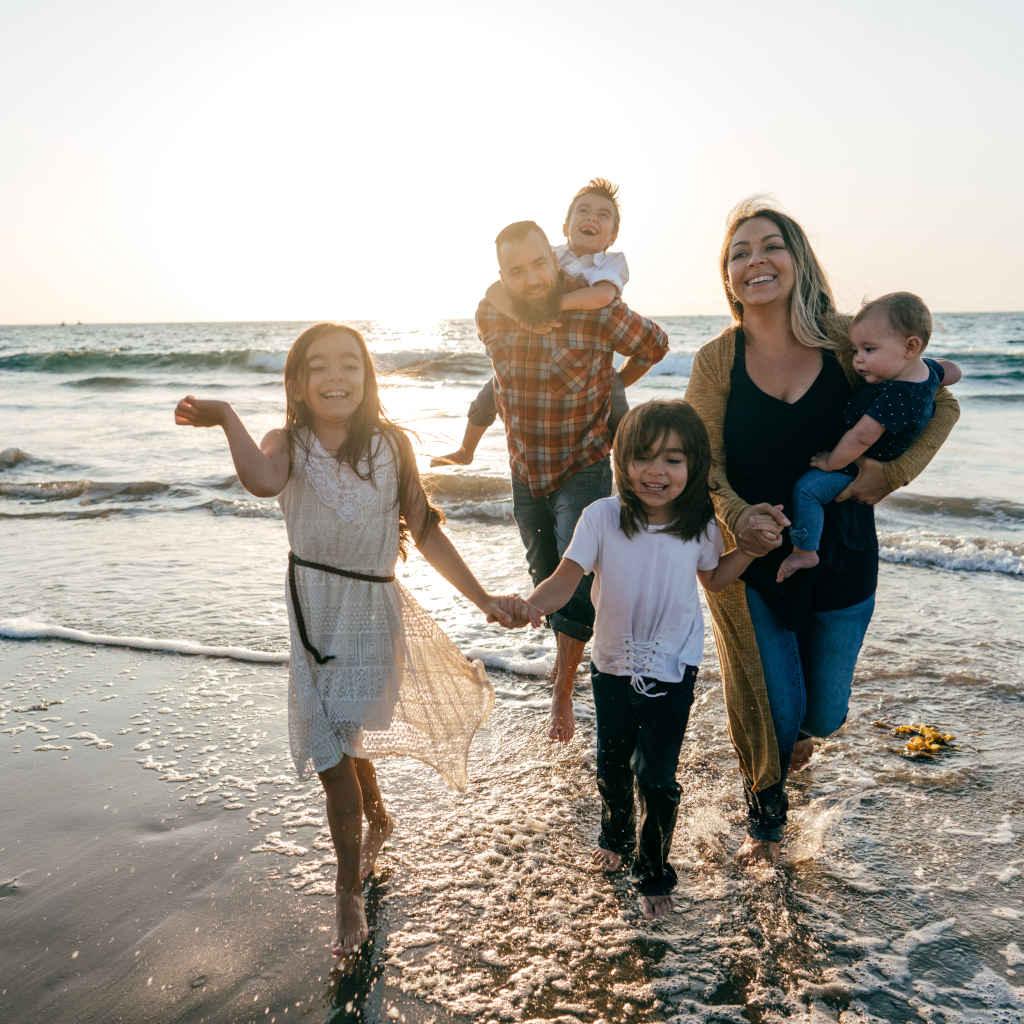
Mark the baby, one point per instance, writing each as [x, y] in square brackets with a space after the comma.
[882, 418]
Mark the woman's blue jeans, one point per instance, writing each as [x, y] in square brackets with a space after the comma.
[808, 675]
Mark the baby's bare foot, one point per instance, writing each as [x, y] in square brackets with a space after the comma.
[352, 928]
[796, 561]
[757, 851]
[607, 861]
[563, 721]
[653, 907]
[375, 836]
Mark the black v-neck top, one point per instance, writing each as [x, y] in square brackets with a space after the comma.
[768, 445]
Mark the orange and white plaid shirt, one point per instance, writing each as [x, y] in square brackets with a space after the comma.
[554, 390]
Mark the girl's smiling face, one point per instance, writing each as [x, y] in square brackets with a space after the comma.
[334, 378]
[759, 265]
[658, 477]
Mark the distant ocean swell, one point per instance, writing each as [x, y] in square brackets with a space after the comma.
[486, 498]
[417, 362]
[106, 369]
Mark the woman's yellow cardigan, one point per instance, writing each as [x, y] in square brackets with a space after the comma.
[746, 698]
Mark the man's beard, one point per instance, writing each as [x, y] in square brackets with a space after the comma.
[539, 311]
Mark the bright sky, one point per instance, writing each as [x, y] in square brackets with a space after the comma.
[208, 160]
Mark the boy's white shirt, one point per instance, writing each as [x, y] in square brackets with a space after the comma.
[648, 619]
[594, 267]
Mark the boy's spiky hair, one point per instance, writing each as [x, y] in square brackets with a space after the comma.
[598, 187]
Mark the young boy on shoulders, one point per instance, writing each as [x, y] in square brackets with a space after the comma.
[591, 226]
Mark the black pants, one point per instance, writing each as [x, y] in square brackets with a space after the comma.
[638, 741]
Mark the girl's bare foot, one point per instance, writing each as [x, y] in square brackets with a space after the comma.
[352, 928]
[653, 907]
[757, 851]
[563, 721]
[375, 836]
[803, 750]
[796, 561]
[607, 861]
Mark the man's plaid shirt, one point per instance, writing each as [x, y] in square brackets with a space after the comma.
[554, 390]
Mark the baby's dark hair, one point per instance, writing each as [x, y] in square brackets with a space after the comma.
[906, 313]
[416, 513]
[598, 187]
[643, 432]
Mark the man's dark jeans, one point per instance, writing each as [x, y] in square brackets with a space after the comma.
[546, 525]
[638, 739]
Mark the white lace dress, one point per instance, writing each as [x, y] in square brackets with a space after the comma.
[394, 684]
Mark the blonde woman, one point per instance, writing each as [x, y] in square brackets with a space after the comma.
[771, 390]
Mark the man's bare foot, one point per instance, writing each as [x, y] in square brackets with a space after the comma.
[653, 907]
[459, 457]
[607, 861]
[352, 928]
[563, 721]
[757, 851]
[799, 559]
[803, 750]
[374, 837]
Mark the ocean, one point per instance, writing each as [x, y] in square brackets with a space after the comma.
[126, 539]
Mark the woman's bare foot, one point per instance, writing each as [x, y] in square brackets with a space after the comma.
[757, 851]
[803, 750]
[563, 721]
[607, 861]
[352, 928]
[374, 837]
[796, 561]
[653, 907]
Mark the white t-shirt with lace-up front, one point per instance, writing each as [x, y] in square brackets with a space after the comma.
[648, 619]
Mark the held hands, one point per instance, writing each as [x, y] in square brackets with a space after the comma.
[511, 611]
[759, 529]
[196, 412]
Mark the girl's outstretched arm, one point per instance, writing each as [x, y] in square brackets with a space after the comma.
[552, 593]
[263, 469]
[440, 552]
[727, 571]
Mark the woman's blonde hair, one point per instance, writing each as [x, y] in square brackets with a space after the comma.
[812, 308]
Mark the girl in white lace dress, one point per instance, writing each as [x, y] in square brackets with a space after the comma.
[371, 673]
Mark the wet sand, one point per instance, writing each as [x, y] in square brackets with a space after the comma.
[167, 866]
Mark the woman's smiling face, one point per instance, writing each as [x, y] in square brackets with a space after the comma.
[759, 265]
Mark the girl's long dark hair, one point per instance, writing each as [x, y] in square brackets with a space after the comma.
[416, 513]
[643, 432]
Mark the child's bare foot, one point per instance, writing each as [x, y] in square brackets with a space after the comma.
[653, 907]
[374, 837]
[757, 851]
[352, 928]
[607, 861]
[563, 721]
[799, 559]
[803, 750]
[459, 457]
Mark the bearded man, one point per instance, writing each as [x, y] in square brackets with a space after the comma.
[553, 379]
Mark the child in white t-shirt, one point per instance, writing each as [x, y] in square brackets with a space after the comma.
[647, 548]
[591, 225]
